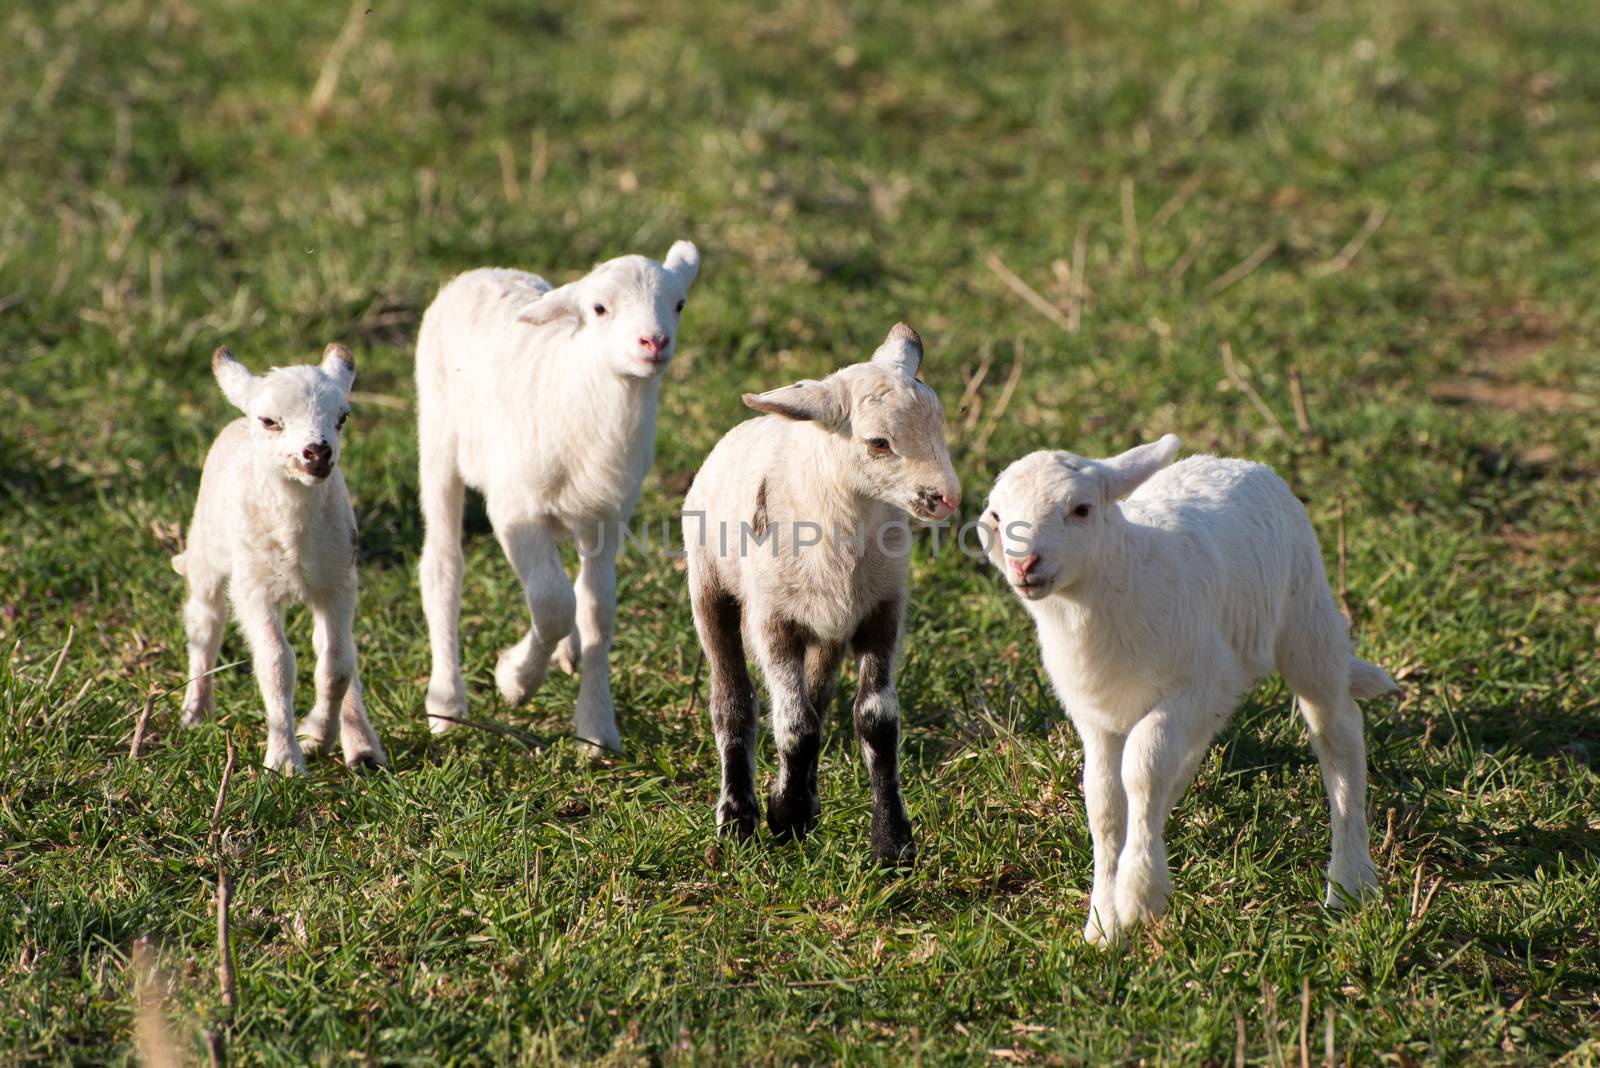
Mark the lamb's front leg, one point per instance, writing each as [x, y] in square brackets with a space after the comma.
[1107, 807]
[333, 639]
[530, 544]
[595, 719]
[877, 715]
[262, 623]
[793, 804]
[1158, 759]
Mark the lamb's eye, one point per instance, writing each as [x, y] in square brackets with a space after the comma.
[994, 516]
[271, 424]
[879, 447]
[342, 417]
[599, 310]
[1081, 511]
[680, 307]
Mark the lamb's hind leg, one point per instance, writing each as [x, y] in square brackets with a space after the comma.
[205, 614]
[443, 567]
[531, 546]
[733, 708]
[1319, 674]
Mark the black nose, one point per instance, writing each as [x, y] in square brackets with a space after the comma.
[317, 453]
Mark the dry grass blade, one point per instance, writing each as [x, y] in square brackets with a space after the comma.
[225, 976]
[1353, 247]
[1243, 385]
[1328, 1058]
[382, 400]
[1297, 396]
[508, 174]
[61, 658]
[222, 795]
[971, 405]
[1238, 1038]
[528, 742]
[139, 725]
[1244, 267]
[1176, 202]
[1130, 227]
[1080, 283]
[1004, 402]
[1305, 1021]
[1181, 265]
[327, 86]
[216, 1047]
[1026, 292]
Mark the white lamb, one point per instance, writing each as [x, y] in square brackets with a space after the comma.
[543, 399]
[798, 545]
[1155, 614]
[272, 526]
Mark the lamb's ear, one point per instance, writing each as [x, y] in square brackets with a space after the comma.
[237, 383]
[805, 401]
[902, 349]
[339, 365]
[682, 263]
[1123, 474]
[556, 304]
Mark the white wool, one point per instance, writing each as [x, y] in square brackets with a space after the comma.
[544, 400]
[273, 526]
[1161, 593]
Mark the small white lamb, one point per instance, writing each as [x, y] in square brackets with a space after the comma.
[273, 525]
[544, 400]
[798, 545]
[1155, 614]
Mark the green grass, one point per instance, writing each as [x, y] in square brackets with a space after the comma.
[840, 165]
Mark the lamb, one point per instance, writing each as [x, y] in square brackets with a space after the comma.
[798, 543]
[543, 399]
[1154, 615]
[273, 525]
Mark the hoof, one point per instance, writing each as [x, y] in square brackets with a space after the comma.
[367, 760]
[792, 818]
[315, 736]
[516, 681]
[193, 716]
[287, 762]
[566, 655]
[1351, 887]
[737, 820]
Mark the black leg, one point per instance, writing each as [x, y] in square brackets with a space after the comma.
[733, 709]
[877, 716]
[793, 805]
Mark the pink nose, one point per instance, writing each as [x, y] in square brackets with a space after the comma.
[655, 343]
[1024, 566]
[950, 503]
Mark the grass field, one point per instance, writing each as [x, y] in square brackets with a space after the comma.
[1394, 205]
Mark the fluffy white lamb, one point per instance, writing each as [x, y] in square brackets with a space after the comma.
[544, 400]
[798, 547]
[272, 526]
[1162, 593]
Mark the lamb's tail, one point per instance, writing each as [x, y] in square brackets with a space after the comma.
[1370, 680]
